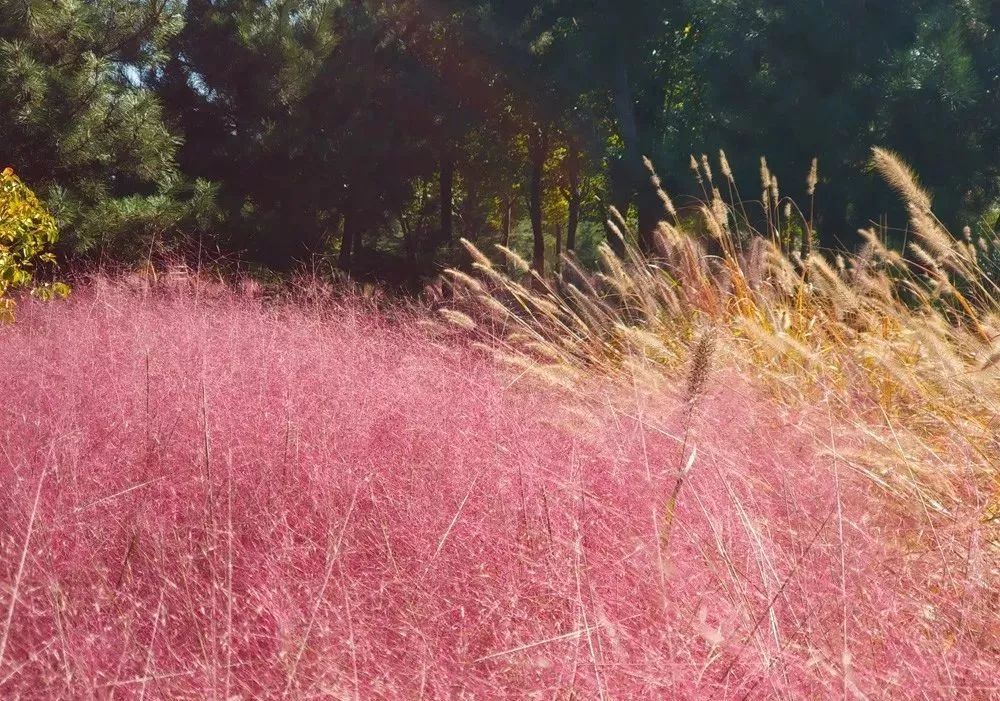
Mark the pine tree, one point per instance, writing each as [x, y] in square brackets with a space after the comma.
[78, 122]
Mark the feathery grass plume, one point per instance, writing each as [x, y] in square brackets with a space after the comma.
[693, 165]
[670, 234]
[520, 263]
[494, 276]
[712, 223]
[938, 241]
[754, 261]
[784, 349]
[775, 193]
[654, 178]
[543, 304]
[707, 167]
[940, 350]
[863, 260]
[940, 286]
[650, 345]
[616, 276]
[784, 320]
[727, 172]
[660, 245]
[555, 375]
[765, 174]
[720, 209]
[923, 257]
[463, 279]
[613, 228]
[813, 178]
[879, 249]
[876, 288]
[668, 204]
[580, 277]
[701, 365]
[824, 325]
[591, 313]
[901, 178]
[477, 256]
[670, 301]
[495, 308]
[547, 351]
[523, 336]
[458, 318]
[623, 226]
[832, 282]
[578, 321]
[776, 271]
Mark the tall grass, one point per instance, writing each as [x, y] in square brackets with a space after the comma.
[744, 477]
[900, 346]
[208, 496]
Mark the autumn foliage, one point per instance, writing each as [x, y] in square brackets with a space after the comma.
[27, 234]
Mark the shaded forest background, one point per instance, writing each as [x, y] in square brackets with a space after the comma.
[371, 134]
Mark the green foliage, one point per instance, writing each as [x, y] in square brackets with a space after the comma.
[27, 235]
[163, 224]
[381, 131]
[77, 118]
[798, 79]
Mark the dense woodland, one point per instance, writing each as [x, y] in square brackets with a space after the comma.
[371, 135]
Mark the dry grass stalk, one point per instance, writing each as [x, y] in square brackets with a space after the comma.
[806, 327]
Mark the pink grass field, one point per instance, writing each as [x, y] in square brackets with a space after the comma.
[207, 496]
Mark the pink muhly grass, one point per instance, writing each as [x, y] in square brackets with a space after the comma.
[215, 497]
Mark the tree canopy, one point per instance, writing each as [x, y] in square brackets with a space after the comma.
[375, 133]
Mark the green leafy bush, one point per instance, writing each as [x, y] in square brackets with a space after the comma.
[27, 234]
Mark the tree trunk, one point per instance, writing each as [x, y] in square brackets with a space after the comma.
[347, 236]
[447, 189]
[537, 147]
[508, 214]
[625, 109]
[647, 202]
[558, 234]
[409, 246]
[573, 196]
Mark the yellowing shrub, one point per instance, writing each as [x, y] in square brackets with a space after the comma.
[27, 234]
